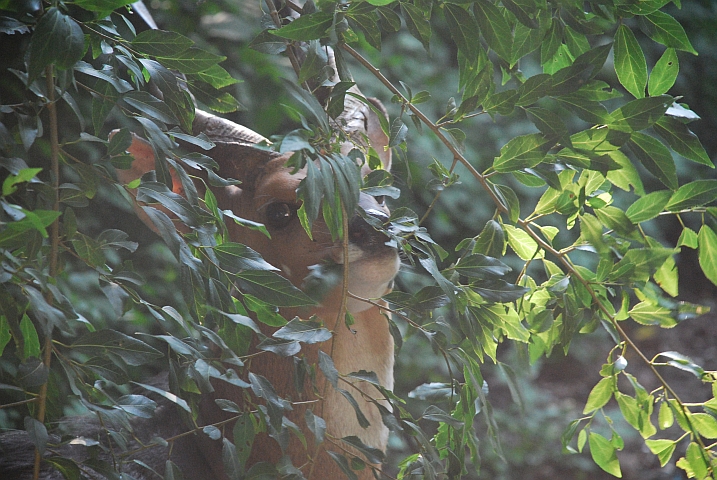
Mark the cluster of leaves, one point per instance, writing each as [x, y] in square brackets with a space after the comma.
[584, 173]
[587, 262]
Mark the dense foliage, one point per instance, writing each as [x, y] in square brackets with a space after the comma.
[83, 317]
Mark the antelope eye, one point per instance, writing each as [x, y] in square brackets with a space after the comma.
[278, 215]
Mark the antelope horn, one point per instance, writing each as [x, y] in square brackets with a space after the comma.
[235, 149]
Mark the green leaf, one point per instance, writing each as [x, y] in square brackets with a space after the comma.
[524, 151]
[615, 219]
[192, 60]
[665, 417]
[161, 43]
[230, 460]
[707, 239]
[630, 63]
[647, 313]
[272, 288]
[603, 453]
[119, 142]
[693, 194]
[306, 27]
[662, 448]
[37, 433]
[705, 424]
[522, 244]
[664, 29]
[262, 388]
[373, 455]
[303, 331]
[316, 425]
[648, 207]
[655, 157]
[500, 291]
[695, 456]
[664, 74]
[494, 28]
[168, 395]
[600, 394]
[102, 6]
[102, 342]
[326, 365]
[491, 241]
[550, 124]
[151, 106]
[552, 41]
[235, 257]
[534, 88]
[243, 434]
[639, 114]
[30, 339]
[640, 263]
[343, 464]
[682, 140]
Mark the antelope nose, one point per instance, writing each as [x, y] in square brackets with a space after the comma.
[364, 235]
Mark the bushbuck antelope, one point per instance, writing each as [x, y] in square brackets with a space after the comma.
[267, 195]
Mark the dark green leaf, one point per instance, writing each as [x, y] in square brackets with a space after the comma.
[57, 40]
[417, 23]
[497, 290]
[476, 265]
[272, 288]
[316, 425]
[360, 417]
[693, 194]
[655, 157]
[262, 388]
[639, 114]
[534, 88]
[303, 331]
[37, 433]
[550, 125]
[243, 434]
[192, 60]
[235, 257]
[306, 27]
[102, 342]
[161, 43]
[232, 467]
[168, 395]
[150, 106]
[343, 465]
[373, 455]
[682, 140]
[494, 28]
[664, 29]
[463, 27]
[326, 364]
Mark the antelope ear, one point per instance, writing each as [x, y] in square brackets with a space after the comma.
[143, 154]
[378, 139]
